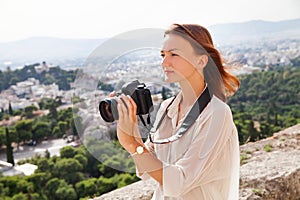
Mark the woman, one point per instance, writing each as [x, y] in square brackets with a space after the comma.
[199, 160]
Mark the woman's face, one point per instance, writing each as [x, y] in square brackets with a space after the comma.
[179, 60]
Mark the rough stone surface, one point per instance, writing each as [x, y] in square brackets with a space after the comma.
[141, 190]
[270, 170]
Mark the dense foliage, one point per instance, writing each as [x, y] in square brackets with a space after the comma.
[56, 75]
[76, 174]
[266, 102]
[36, 128]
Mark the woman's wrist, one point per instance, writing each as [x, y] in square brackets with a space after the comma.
[131, 148]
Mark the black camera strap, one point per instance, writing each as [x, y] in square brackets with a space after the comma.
[143, 121]
[195, 111]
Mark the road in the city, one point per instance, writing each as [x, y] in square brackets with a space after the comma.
[26, 151]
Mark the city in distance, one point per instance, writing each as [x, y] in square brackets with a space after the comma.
[72, 53]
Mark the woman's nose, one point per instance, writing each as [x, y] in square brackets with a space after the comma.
[165, 62]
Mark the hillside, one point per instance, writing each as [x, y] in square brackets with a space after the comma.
[256, 30]
[51, 75]
[270, 170]
[266, 102]
[53, 50]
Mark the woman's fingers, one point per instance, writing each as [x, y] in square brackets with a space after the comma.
[127, 102]
[127, 106]
[134, 108]
[120, 108]
[112, 94]
[127, 128]
[123, 108]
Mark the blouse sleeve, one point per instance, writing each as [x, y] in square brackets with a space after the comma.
[148, 144]
[207, 145]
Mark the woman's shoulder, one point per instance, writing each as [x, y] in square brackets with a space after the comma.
[166, 102]
[219, 106]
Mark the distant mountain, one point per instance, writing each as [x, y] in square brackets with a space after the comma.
[57, 51]
[255, 30]
[38, 49]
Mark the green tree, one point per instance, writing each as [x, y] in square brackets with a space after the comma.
[112, 165]
[51, 105]
[3, 191]
[56, 132]
[65, 115]
[9, 148]
[66, 193]
[40, 130]
[16, 184]
[105, 185]
[67, 152]
[68, 169]
[52, 110]
[82, 160]
[87, 188]
[20, 196]
[59, 189]
[253, 133]
[124, 179]
[49, 79]
[269, 98]
[47, 154]
[24, 186]
[39, 180]
[24, 130]
[10, 110]
[2, 136]
[62, 126]
[28, 111]
[45, 165]
[10, 184]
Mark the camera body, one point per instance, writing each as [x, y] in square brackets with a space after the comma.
[138, 92]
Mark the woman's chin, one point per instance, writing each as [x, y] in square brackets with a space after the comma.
[169, 80]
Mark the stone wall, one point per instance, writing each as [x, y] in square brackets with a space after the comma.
[270, 169]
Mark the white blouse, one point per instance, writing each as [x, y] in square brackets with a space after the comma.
[204, 162]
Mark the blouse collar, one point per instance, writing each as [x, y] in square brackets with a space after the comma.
[172, 111]
[173, 108]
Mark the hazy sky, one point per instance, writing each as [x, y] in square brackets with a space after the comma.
[21, 19]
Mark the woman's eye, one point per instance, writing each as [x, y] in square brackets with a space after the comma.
[172, 54]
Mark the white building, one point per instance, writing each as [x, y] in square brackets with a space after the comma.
[7, 169]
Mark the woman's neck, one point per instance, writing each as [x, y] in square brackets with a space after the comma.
[191, 90]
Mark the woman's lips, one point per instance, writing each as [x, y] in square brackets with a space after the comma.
[168, 71]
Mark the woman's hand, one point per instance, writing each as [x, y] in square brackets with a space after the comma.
[127, 126]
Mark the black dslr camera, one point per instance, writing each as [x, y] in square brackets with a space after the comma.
[138, 92]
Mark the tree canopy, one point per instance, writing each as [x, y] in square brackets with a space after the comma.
[266, 102]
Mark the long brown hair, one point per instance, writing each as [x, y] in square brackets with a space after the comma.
[203, 38]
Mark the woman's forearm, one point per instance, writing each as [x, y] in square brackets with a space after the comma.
[147, 163]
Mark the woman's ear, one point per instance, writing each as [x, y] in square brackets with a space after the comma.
[202, 61]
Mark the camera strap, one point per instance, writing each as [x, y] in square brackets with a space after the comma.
[195, 111]
[143, 121]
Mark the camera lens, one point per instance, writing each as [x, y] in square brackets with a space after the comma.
[108, 110]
